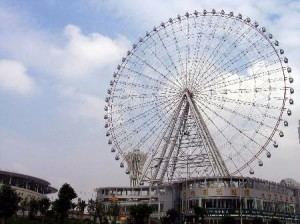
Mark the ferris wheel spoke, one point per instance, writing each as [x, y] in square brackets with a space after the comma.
[203, 58]
[234, 112]
[235, 42]
[230, 124]
[156, 71]
[195, 60]
[131, 96]
[125, 140]
[232, 145]
[140, 74]
[163, 105]
[145, 125]
[178, 52]
[168, 54]
[235, 70]
[231, 82]
[238, 91]
[167, 109]
[239, 101]
[235, 60]
[232, 60]
[147, 104]
[197, 46]
[226, 64]
[119, 126]
[138, 85]
[216, 50]
[161, 61]
[187, 55]
[146, 97]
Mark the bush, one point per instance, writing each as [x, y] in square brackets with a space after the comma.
[228, 220]
[257, 221]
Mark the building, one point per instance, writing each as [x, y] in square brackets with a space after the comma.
[240, 197]
[26, 186]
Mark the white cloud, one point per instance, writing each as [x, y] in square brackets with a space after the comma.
[83, 105]
[14, 77]
[66, 55]
[83, 55]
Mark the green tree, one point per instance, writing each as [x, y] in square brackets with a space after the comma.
[275, 221]
[64, 202]
[8, 202]
[228, 220]
[44, 205]
[114, 211]
[95, 210]
[257, 221]
[100, 212]
[33, 207]
[81, 205]
[140, 213]
[200, 212]
[24, 205]
[172, 216]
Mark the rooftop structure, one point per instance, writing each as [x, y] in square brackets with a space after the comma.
[25, 185]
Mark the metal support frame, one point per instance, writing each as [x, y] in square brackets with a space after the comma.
[167, 139]
[173, 144]
[186, 107]
[217, 163]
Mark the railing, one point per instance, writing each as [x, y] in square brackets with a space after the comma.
[251, 212]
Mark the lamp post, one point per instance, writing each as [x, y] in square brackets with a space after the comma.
[241, 211]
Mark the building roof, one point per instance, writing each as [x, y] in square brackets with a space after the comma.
[29, 178]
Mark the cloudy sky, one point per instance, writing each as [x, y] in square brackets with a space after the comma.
[56, 59]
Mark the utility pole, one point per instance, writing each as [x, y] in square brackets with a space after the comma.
[241, 211]
[299, 132]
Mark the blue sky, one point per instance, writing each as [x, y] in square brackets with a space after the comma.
[60, 56]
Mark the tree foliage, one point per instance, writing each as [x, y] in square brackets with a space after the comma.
[81, 205]
[200, 213]
[258, 220]
[24, 205]
[8, 202]
[275, 221]
[44, 205]
[172, 216]
[33, 207]
[64, 202]
[140, 213]
[228, 220]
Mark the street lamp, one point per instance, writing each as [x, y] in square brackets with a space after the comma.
[241, 184]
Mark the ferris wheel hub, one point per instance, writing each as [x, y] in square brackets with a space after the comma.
[188, 92]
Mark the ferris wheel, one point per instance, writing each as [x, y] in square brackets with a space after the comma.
[204, 94]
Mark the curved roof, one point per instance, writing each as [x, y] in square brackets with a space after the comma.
[29, 178]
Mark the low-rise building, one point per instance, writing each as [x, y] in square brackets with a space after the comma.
[240, 197]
